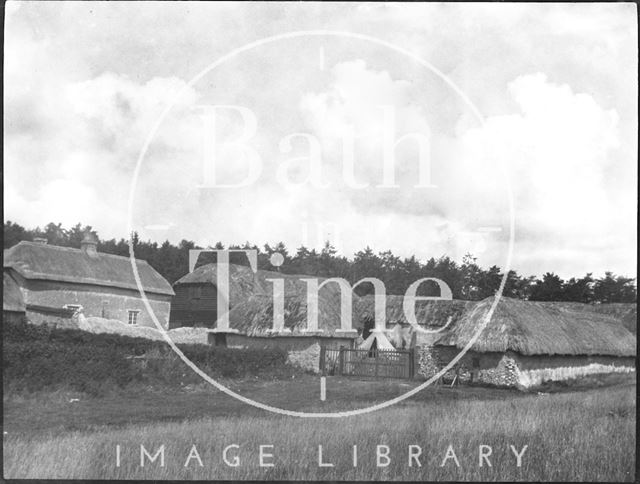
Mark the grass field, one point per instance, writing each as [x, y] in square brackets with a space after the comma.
[584, 434]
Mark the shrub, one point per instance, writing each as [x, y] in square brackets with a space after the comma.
[43, 357]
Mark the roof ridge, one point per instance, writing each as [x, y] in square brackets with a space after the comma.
[73, 249]
[258, 271]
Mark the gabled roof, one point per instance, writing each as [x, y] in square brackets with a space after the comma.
[11, 296]
[35, 261]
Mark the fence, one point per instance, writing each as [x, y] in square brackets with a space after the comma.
[367, 363]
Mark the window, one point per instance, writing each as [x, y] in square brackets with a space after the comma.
[133, 316]
[105, 309]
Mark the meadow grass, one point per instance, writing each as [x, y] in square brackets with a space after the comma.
[582, 436]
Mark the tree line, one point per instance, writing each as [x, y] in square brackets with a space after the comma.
[467, 280]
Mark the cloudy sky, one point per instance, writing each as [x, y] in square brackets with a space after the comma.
[556, 87]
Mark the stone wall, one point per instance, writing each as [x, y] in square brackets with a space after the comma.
[98, 301]
[503, 374]
[433, 359]
[513, 370]
[288, 342]
[307, 359]
[302, 351]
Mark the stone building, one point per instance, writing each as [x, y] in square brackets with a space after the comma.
[252, 323]
[57, 282]
[526, 343]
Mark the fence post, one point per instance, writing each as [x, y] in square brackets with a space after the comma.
[323, 360]
[412, 356]
[341, 360]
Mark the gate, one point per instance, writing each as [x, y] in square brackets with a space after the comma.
[367, 363]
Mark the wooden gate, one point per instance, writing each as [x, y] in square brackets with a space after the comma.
[367, 363]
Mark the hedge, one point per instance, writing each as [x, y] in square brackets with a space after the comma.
[43, 357]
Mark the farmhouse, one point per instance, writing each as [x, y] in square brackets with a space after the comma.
[526, 343]
[57, 282]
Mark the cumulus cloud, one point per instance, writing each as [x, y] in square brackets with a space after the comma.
[83, 87]
[558, 150]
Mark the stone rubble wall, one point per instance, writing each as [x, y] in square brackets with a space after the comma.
[505, 374]
[513, 370]
[307, 359]
[432, 359]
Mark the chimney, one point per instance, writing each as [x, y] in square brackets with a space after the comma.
[89, 244]
[40, 240]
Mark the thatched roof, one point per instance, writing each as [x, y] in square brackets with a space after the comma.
[53, 263]
[625, 313]
[534, 328]
[11, 296]
[428, 313]
[254, 316]
[244, 283]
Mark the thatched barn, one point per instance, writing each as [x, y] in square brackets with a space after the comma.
[253, 319]
[196, 296]
[58, 282]
[13, 307]
[527, 343]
